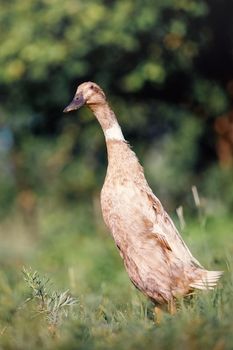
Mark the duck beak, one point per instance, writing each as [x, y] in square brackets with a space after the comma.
[76, 103]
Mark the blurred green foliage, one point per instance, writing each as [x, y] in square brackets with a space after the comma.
[165, 67]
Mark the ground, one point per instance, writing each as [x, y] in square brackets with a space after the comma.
[72, 248]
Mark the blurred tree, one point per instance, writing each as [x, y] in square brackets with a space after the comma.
[165, 64]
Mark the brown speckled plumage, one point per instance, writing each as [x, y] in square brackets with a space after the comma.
[155, 256]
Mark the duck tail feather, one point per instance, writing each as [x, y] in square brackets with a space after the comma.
[208, 280]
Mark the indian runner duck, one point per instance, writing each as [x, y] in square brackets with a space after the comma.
[157, 260]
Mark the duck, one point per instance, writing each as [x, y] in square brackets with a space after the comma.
[155, 256]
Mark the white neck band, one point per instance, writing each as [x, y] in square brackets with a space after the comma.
[114, 133]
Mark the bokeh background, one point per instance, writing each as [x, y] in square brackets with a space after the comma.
[167, 69]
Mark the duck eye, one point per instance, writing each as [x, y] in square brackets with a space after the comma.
[92, 87]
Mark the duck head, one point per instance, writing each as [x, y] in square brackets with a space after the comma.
[87, 93]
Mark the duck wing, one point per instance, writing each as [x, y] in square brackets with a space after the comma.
[166, 232]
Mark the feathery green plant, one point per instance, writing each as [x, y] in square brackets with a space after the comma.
[51, 303]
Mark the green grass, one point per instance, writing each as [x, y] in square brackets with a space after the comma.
[72, 248]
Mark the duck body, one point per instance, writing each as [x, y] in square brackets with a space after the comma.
[162, 269]
[155, 256]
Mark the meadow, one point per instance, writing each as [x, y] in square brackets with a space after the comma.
[71, 247]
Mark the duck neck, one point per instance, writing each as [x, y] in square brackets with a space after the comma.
[108, 122]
